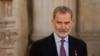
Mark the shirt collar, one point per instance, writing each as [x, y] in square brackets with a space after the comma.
[57, 38]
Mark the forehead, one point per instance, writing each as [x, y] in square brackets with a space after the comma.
[63, 16]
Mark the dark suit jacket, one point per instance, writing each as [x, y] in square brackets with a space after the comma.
[47, 47]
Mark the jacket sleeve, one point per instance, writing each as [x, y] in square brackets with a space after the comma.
[34, 50]
[85, 50]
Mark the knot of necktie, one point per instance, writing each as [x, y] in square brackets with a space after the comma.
[62, 42]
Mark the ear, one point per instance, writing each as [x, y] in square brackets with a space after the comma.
[52, 20]
[73, 22]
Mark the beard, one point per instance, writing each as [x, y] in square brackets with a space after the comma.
[62, 33]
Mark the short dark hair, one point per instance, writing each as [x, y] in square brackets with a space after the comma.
[62, 9]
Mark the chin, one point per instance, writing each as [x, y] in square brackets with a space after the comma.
[62, 35]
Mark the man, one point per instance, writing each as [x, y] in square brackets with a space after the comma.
[60, 43]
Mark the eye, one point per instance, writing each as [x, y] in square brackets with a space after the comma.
[59, 22]
[67, 22]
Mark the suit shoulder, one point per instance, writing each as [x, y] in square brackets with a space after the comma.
[40, 41]
[44, 40]
[76, 40]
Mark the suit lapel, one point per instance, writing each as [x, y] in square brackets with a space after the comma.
[52, 46]
[71, 46]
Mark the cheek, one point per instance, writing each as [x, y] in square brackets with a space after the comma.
[57, 26]
[69, 26]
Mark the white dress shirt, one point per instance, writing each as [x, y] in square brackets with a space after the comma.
[58, 44]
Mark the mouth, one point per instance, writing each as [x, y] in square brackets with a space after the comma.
[63, 32]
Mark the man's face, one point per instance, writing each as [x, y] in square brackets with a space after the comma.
[62, 24]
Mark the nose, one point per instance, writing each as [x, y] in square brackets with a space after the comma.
[63, 26]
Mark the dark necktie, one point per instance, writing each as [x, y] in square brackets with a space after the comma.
[62, 50]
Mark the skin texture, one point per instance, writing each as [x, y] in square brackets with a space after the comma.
[62, 24]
